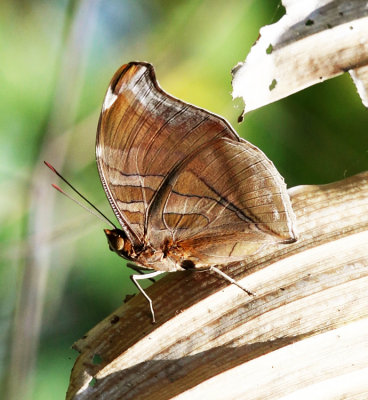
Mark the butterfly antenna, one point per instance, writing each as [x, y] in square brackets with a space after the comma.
[99, 213]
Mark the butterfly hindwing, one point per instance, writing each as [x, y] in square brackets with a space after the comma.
[230, 192]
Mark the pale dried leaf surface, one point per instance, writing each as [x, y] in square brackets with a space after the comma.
[304, 334]
[314, 41]
[360, 78]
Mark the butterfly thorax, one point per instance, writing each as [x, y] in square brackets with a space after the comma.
[166, 258]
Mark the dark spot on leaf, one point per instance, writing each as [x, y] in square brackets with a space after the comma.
[273, 84]
[128, 297]
[114, 319]
[309, 22]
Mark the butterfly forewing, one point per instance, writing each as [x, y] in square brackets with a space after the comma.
[143, 134]
[175, 172]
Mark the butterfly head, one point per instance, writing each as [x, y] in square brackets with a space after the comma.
[119, 243]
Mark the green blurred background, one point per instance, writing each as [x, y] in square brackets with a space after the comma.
[58, 279]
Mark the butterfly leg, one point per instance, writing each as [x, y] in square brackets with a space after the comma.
[139, 270]
[136, 278]
[227, 277]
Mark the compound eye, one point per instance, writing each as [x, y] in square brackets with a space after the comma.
[119, 245]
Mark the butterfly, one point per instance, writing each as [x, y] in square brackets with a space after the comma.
[188, 192]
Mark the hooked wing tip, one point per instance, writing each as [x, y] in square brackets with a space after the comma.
[130, 72]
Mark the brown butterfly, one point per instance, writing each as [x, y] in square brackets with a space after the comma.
[188, 192]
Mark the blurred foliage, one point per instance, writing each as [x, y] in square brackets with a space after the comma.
[57, 58]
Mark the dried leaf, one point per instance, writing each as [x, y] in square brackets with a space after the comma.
[304, 334]
[312, 42]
